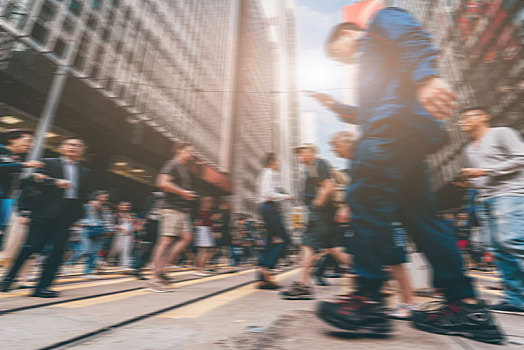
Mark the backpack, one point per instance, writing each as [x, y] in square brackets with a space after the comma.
[340, 180]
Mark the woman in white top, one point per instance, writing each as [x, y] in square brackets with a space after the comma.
[123, 240]
[270, 197]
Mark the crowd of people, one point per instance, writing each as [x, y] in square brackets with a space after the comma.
[358, 219]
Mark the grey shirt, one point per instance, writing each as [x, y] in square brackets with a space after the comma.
[180, 177]
[501, 152]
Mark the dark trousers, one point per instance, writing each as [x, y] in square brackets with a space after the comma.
[389, 179]
[44, 231]
[274, 228]
[143, 253]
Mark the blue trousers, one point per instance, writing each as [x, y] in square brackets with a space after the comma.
[504, 218]
[274, 228]
[389, 181]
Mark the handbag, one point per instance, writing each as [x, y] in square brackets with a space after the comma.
[95, 231]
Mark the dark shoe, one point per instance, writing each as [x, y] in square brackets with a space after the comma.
[332, 275]
[468, 320]
[267, 285]
[138, 275]
[166, 279]
[355, 313]
[320, 281]
[298, 291]
[45, 293]
[505, 307]
[5, 286]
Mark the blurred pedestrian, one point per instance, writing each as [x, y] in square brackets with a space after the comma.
[204, 240]
[123, 240]
[496, 160]
[402, 104]
[63, 192]
[271, 198]
[176, 183]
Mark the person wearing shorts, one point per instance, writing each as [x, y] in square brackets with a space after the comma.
[204, 240]
[175, 210]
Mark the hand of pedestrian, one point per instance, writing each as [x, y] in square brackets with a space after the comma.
[471, 173]
[33, 164]
[61, 183]
[463, 184]
[324, 99]
[189, 195]
[436, 97]
[24, 220]
[37, 177]
[290, 198]
[343, 215]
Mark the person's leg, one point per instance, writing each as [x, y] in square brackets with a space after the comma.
[507, 213]
[35, 242]
[54, 260]
[309, 258]
[431, 234]
[184, 240]
[127, 245]
[160, 256]
[400, 274]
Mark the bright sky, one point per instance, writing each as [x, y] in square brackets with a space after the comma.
[316, 72]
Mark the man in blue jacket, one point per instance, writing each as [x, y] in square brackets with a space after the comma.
[402, 104]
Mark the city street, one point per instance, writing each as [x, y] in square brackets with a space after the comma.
[223, 311]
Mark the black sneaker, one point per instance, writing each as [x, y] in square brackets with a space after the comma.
[505, 307]
[356, 313]
[298, 291]
[320, 281]
[468, 320]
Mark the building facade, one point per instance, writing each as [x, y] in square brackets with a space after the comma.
[145, 74]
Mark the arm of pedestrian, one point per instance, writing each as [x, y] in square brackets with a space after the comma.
[418, 59]
[165, 183]
[511, 142]
[325, 191]
[346, 113]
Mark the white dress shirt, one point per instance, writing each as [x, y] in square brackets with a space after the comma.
[70, 170]
[269, 184]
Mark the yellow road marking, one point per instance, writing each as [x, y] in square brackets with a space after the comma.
[114, 297]
[94, 283]
[489, 278]
[202, 307]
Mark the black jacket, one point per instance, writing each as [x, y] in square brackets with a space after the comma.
[47, 200]
[10, 166]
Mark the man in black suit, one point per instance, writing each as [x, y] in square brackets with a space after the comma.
[62, 189]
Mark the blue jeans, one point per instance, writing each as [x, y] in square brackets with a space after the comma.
[79, 250]
[274, 228]
[389, 182]
[95, 245]
[503, 216]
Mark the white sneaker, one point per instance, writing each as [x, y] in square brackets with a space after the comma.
[92, 277]
[203, 274]
[402, 312]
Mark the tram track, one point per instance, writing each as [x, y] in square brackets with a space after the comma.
[98, 295]
[89, 336]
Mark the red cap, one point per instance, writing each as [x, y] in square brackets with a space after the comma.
[362, 12]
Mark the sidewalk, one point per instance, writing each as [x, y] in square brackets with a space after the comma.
[300, 330]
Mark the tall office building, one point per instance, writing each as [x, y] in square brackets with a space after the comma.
[265, 117]
[482, 57]
[144, 74]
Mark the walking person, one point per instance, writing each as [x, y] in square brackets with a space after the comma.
[204, 240]
[271, 197]
[151, 215]
[60, 203]
[123, 240]
[98, 225]
[322, 235]
[402, 103]
[496, 160]
[343, 144]
[15, 145]
[176, 183]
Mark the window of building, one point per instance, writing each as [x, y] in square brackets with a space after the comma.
[47, 13]
[96, 4]
[92, 22]
[59, 48]
[75, 7]
[39, 33]
[68, 25]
